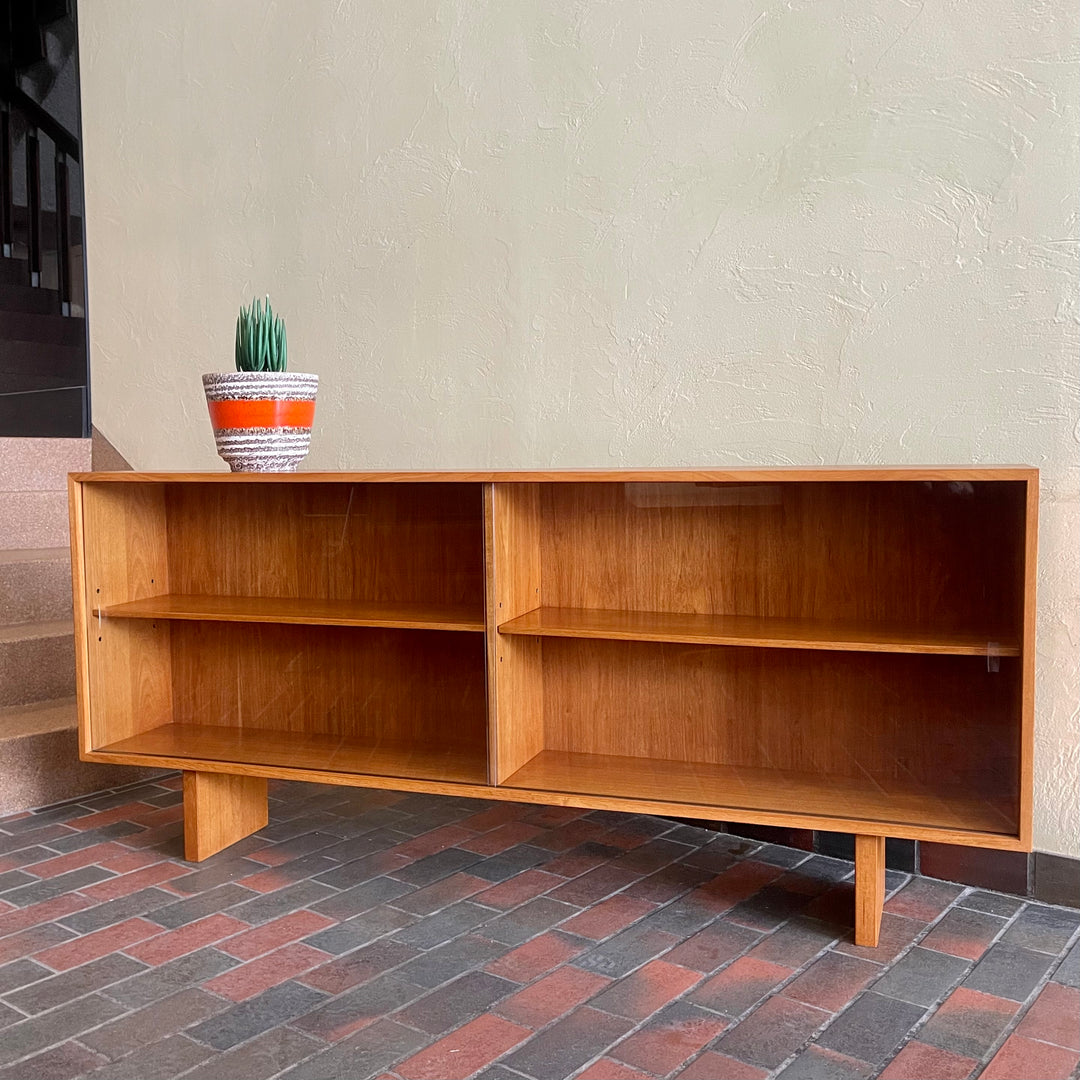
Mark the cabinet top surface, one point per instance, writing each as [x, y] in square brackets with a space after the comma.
[740, 474]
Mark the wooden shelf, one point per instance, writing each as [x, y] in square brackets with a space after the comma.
[304, 612]
[735, 788]
[753, 631]
[260, 746]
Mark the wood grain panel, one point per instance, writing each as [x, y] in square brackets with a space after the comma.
[738, 474]
[608, 712]
[124, 558]
[518, 697]
[383, 543]
[799, 818]
[869, 889]
[733, 790]
[300, 612]
[755, 631]
[935, 719]
[302, 751]
[419, 686]
[219, 810]
[80, 610]
[915, 554]
[1025, 702]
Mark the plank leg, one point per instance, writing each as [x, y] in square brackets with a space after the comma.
[869, 888]
[219, 810]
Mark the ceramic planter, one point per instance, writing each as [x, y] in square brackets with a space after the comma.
[262, 419]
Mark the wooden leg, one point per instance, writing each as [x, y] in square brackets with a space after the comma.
[869, 888]
[219, 810]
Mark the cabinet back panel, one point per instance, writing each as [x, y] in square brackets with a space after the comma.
[407, 685]
[910, 551]
[375, 542]
[938, 719]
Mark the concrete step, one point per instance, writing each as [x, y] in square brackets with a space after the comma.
[40, 754]
[35, 585]
[37, 662]
[60, 714]
[41, 465]
[33, 519]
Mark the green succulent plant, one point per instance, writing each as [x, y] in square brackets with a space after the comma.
[260, 339]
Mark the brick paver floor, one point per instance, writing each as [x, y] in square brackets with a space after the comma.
[381, 934]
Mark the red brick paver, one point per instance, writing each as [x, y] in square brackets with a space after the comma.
[168, 946]
[464, 1051]
[684, 955]
[1020, 1058]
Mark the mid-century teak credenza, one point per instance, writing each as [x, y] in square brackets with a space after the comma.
[842, 649]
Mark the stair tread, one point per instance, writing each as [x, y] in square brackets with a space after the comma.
[18, 721]
[49, 628]
[46, 554]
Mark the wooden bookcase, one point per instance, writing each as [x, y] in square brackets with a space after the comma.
[842, 649]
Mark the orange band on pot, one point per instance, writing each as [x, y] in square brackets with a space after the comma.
[226, 415]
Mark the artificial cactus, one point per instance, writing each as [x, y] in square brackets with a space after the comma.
[260, 339]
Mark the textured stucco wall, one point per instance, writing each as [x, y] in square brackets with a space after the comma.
[575, 232]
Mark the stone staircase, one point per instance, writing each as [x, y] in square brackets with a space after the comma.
[39, 760]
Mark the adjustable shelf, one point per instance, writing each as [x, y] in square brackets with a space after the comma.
[446, 762]
[298, 611]
[731, 789]
[761, 632]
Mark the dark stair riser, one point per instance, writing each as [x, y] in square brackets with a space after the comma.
[46, 329]
[66, 363]
[45, 414]
[14, 271]
[38, 301]
[22, 383]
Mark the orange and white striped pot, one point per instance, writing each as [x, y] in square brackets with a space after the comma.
[262, 419]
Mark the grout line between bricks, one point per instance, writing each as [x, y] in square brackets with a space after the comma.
[1025, 1005]
[496, 913]
[931, 1010]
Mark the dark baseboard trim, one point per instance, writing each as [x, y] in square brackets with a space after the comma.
[1038, 875]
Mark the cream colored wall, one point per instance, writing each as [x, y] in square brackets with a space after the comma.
[573, 232]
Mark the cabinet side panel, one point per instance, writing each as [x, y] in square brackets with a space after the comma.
[78, 604]
[1027, 662]
[515, 662]
[124, 557]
